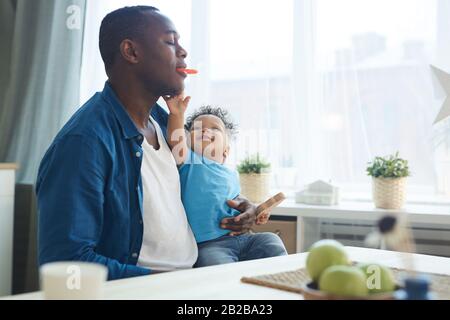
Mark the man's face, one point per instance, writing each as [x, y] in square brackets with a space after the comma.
[160, 56]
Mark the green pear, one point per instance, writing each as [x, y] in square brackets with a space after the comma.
[379, 278]
[344, 281]
[324, 254]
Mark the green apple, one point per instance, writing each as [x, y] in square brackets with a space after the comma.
[344, 281]
[324, 254]
[379, 278]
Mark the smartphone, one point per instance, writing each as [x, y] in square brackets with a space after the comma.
[265, 207]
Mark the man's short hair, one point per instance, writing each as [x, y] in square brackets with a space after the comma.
[121, 24]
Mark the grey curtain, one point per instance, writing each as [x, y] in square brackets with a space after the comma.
[41, 44]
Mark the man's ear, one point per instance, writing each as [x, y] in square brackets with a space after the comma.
[128, 50]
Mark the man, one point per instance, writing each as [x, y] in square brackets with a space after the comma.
[102, 197]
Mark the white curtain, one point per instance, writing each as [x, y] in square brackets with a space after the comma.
[319, 87]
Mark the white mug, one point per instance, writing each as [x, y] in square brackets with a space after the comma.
[73, 280]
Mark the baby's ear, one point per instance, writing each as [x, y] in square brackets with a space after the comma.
[226, 152]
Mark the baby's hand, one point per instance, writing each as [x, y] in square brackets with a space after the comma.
[177, 104]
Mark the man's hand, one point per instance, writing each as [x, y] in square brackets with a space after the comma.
[243, 222]
[178, 104]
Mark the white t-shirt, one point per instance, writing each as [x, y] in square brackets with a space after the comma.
[168, 242]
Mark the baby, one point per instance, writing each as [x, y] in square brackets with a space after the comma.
[207, 184]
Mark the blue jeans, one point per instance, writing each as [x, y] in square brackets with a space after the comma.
[245, 247]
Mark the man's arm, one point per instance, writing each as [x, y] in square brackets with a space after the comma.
[70, 191]
[175, 128]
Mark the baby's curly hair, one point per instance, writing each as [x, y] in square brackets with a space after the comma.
[220, 113]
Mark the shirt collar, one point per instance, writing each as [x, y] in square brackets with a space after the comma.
[129, 130]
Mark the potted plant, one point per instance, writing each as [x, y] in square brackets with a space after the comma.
[389, 176]
[254, 174]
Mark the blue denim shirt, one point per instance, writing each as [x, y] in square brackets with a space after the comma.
[89, 189]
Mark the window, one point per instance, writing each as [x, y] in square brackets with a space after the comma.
[319, 87]
[374, 88]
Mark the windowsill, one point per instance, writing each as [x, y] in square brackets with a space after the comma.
[365, 210]
[366, 198]
[432, 200]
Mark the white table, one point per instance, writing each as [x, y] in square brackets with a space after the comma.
[223, 282]
[7, 188]
[308, 215]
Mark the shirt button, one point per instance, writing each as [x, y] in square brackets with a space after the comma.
[141, 222]
[134, 255]
[138, 154]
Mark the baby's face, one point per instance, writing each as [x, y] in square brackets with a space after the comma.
[209, 137]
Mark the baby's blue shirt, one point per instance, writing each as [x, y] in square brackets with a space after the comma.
[205, 188]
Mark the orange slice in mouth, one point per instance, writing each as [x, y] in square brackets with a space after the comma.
[187, 71]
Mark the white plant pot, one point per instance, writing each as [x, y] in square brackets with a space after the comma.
[255, 187]
[389, 193]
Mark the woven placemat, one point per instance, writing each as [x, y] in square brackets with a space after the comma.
[294, 281]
